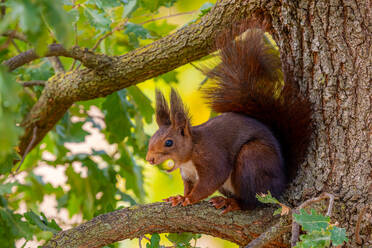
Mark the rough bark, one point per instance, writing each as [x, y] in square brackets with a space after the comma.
[326, 47]
[239, 227]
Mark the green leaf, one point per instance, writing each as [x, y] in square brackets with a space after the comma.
[153, 5]
[97, 20]
[59, 21]
[136, 32]
[142, 103]
[74, 15]
[118, 123]
[129, 7]
[6, 188]
[104, 4]
[160, 29]
[154, 241]
[28, 14]
[338, 235]
[278, 211]
[9, 116]
[14, 225]
[42, 222]
[131, 172]
[314, 239]
[205, 8]
[169, 77]
[126, 198]
[267, 198]
[71, 131]
[181, 239]
[313, 221]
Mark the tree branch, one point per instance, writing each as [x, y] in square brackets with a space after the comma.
[111, 74]
[240, 226]
[15, 34]
[88, 58]
[34, 83]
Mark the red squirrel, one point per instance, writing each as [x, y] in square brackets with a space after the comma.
[253, 146]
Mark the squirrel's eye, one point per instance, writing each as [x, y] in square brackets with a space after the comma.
[168, 143]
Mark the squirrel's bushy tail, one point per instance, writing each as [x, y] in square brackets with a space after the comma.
[249, 80]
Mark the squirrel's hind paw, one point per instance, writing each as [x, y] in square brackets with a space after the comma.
[230, 204]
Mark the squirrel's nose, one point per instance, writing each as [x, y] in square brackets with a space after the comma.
[150, 159]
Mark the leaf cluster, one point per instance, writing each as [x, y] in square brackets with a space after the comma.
[319, 230]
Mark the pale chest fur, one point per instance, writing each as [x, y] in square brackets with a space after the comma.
[227, 186]
[189, 172]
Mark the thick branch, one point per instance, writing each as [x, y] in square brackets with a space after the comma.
[88, 58]
[239, 227]
[115, 73]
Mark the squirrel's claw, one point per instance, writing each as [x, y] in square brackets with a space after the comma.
[175, 200]
[230, 204]
[186, 202]
[218, 202]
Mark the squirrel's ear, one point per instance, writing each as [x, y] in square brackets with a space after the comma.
[162, 110]
[179, 115]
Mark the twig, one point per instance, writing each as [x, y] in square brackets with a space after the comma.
[269, 235]
[15, 45]
[2, 10]
[119, 27]
[76, 41]
[73, 65]
[323, 196]
[204, 80]
[168, 16]
[14, 34]
[295, 230]
[56, 64]
[28, 148]
[5, 45]
[296, 227]
[357, 226]
[197, 68]
[139, 241]
[33, 83]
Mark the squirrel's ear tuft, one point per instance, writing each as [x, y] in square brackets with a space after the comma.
[179, 114]
[162, 110]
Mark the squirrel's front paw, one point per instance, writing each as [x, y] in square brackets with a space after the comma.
[187, 201]
[175, 200]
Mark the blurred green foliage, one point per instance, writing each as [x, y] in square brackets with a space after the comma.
[98, 180]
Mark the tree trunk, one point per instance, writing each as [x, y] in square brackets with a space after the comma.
[326, 47]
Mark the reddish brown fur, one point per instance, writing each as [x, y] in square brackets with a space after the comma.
[262, 135]
[249, 77]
